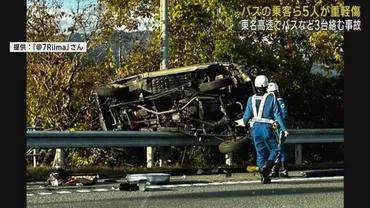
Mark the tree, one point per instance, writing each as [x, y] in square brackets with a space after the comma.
[204, 31]
[60, 85]
[199, 31]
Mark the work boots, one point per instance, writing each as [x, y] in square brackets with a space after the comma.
[265, 172]
[275, 170]
[284, 170]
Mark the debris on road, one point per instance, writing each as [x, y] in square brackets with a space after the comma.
[151, 178]
[252, 169]
[61, 177]
[57, 178]
[133, 186]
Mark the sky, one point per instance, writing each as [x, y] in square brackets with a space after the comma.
[69, 5]
[73, 3]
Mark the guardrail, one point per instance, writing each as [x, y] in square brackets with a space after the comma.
[118, 139]
[86, 139]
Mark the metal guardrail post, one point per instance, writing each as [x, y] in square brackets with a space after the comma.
[34, 158]
[164, 151]
[149, 157]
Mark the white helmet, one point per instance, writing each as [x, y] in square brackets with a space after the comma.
[272, 87]
[261, 81]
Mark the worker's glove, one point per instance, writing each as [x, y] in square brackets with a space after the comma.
[240, 122]
[286, 133]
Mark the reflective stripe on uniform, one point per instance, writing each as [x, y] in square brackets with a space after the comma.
[262, 105]
[254, 98]
[263, 120]
[257, 117]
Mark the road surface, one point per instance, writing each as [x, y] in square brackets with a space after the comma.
[306, 192]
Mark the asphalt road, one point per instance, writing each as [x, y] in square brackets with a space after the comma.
[311, 192]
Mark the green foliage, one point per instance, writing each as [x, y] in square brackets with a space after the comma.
[59, 86]
[139, 60]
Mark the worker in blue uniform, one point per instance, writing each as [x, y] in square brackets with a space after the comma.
[280, 168]
[263, 111]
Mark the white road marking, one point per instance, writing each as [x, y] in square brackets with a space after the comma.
[83, 191]
[246, 182]
[184, 185]
[153, 187]
[216, 183]
[100, 190]
[230, 182]
[200, 184]
[44, 193]
[30, 194]
[168, 186]
[64, 192]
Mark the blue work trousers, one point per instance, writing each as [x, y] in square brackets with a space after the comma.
[265, 142]
[282, 156]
